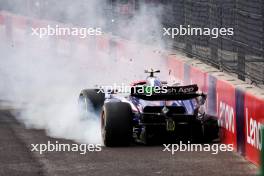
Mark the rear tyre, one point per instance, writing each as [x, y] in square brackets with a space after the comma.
[211, 129]
[90, 100]
[206, 130]
[116, 124]
[197, 134]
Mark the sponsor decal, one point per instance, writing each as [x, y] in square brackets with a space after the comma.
[253, 131]
[253, 110]
[226, 112]
[226, 117]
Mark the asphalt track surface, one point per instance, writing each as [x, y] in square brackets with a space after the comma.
[17, 159]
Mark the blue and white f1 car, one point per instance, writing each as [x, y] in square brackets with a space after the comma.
[152, 111]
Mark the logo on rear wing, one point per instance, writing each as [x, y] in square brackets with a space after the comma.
[166, 92]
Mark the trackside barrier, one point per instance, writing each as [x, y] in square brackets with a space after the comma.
[239, 108]
[226, 112]
[253, 115]
[2, 27]
[262, 154]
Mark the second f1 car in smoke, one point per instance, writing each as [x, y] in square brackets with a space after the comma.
[152, 110]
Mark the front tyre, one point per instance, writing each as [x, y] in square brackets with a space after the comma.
[116, 124]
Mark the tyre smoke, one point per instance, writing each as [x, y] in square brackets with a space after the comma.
[43, 77]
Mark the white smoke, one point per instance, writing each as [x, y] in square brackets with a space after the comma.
[44, 80]
[48, 85]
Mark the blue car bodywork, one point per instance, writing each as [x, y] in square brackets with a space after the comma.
[176, 112]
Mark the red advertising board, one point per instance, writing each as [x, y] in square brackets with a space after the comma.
[226, 112]
[254, 118]
[19, 21]
[102, 43]
[121, 50]
[2, 18]
[198, 77]
[176, 68]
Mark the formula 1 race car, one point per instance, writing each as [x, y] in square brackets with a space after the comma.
[151, 111]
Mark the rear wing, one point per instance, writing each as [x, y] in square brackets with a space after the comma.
[166, 92]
